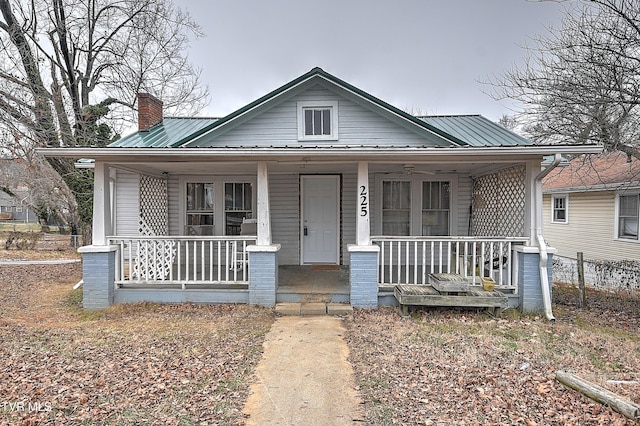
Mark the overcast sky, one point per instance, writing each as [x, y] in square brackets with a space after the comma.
[428, 56]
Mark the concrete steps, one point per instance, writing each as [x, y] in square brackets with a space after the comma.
[313, 308]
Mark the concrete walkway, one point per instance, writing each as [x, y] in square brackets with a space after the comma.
[304, 377]
[38, 262]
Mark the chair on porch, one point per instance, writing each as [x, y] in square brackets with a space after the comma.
[248, 227]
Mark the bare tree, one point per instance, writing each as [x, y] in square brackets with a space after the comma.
[70, 71]
[581, 81]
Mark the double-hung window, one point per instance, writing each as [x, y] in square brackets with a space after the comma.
[628, 212]
[217, 206]
[396, 207]
[317, 120]
[435, 208]
[416, 206]
[559, 209]
[237, 205]
[200, 208]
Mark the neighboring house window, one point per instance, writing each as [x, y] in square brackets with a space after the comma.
[396, 207]
[200, 209]
[560, 204]
[237, 206]
[435, 208]
[628, 216]
[18, 209]
[317, 120]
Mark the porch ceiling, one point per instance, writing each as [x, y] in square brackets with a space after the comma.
[302, 167]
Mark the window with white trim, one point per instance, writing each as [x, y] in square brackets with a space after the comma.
[237, 205]
[559, 209]
[217, 205]
[416, 207]
[317, 120]
[628, 212]
[200, 208]
[396, 207]
[435, 208]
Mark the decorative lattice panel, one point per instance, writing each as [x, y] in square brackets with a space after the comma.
[154, 258]
[154, 205]
[499, 203]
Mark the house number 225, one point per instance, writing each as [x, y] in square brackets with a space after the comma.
[364, 203]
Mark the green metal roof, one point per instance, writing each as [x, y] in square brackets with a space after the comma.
[320, 73]
[476, 130]
[459, 130]
[172, 131]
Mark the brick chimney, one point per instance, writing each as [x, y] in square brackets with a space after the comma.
[149, 111]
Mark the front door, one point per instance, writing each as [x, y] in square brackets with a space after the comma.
[320, 219]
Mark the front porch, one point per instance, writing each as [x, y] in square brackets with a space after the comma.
[217, 270]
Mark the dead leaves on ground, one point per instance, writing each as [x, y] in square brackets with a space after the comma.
[458, 367]
[132, 364]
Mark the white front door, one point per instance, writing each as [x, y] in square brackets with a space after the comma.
[320, 219]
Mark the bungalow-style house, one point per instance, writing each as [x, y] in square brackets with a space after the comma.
[592, 206]
[316, 174]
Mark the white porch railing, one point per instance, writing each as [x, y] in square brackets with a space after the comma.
[182, 260]
[410, 260]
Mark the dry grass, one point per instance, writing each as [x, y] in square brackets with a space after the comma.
[129, 364]
[188, 364]
[460, 367]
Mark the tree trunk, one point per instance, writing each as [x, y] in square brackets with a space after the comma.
[599, 394]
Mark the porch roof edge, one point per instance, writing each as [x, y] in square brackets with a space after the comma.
[311, 154]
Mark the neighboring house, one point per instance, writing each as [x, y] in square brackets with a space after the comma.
[592, 206]
[321, 174]
[12, 210]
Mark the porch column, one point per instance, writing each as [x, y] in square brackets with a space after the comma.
[99, 259]
[363, 228]
[263, 257]
[264, 213]
[530, 291]
[531, 200]
[101, 204]
[363, 256]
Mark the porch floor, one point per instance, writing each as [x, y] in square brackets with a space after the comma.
[313, 283]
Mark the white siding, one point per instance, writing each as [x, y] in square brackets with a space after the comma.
[465, 185]
[127, 203]
[349, 197]
[284, 198]
[590, 228]
[173, 185]
[357, 126]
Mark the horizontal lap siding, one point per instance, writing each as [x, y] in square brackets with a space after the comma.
[464, 203]
[127, 203]
[590, 228]
[173, 188]
[278, 126]
[284, 194]
[349, 184]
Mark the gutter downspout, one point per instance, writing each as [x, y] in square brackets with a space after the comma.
[544, 278]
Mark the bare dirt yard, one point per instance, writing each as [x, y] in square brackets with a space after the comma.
[183, 365]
